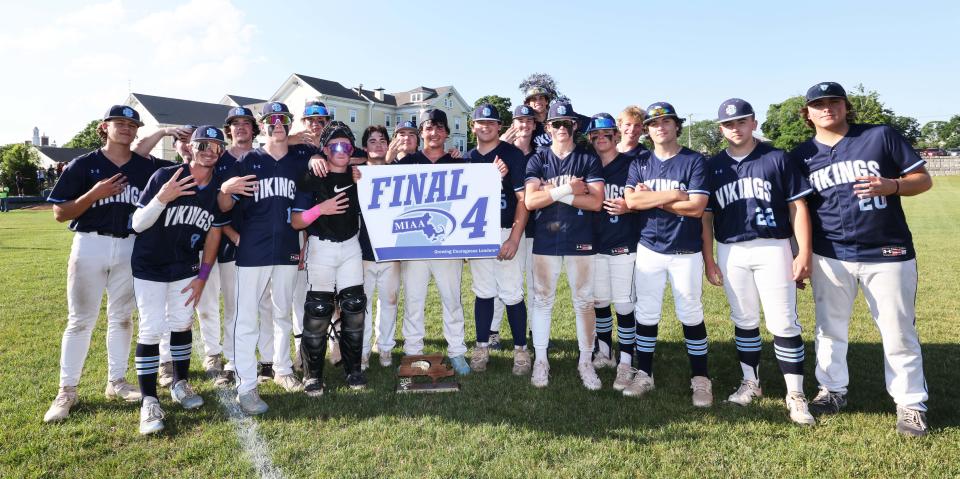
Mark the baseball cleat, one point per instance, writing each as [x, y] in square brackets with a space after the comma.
[642, 384]
[165, 374]
[521, 362]
[911, 422]
[121, 389]
[357, 380]
[494, 341]
[386, 359]
[480, 358]
[183, 394]
[827, 402]
[151, 416]
[60, 409]
[588, 375]
[603, 360]
[624, 377]
[702, 391]
[746, 393]
[251, 404]
[297, 362]
[288, 382]
[226, 379]
[799, 413]
[265, 374]
[212, 365]
[365, 362]
[541, 374]
[313, 387]
[460, 365]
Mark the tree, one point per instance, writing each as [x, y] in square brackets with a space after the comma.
[23, 159]
[87, 138]
[503, 107]
[783, 125]
[909, 127]
[703, 136]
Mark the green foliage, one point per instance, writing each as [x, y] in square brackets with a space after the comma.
[86, 138]
[908, 126]
[941, 134]
[783, 125]
[703, 136]
[23, 159]
[503, 106]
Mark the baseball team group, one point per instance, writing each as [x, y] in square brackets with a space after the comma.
[277, 232]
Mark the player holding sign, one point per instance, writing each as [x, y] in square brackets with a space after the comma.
[861, 241]
[756, 194]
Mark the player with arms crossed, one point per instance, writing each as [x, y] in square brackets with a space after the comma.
[861, 241]
[756, 194]
[565, 185]
[97, 193]
[669, 187]
[177, 218]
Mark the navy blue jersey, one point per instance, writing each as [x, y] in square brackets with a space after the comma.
[228, 249]
[540, 136]
[531, 229]
[635, 151]
[110, 215]
[563, 230]
[266, 236]
[312, 190]
[615, 234]
[510, 184]
[168, 250]
[844, 226]
[660, 230]
[419, 158]
[750, 199]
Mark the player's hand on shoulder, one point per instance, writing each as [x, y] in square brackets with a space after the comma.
[616, 206]
[318, 165]
[109, 187]
[455, 153]
[303, 137]
[176, 187]
[355, 172]
[712, 270]
[240, 185]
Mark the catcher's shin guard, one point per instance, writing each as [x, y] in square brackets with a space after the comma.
[352, 309]
[317, 311]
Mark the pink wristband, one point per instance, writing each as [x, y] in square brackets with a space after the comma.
[312, 214]
[205, 271]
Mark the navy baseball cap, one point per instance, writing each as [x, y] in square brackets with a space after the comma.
[122, 112]
[436, 116]
[522, 111]
[561, 110]
[273, 108]
[661, 109]
[315, 109]
[486, 111]
[601, 121]
[827, 89]
[207, 133]
[734, 109]
[406, 125]
[537, 90]
[238, 112]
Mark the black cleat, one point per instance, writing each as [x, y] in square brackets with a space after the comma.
[357, 380]
[266, 373]
[827, 402]
[225, 379]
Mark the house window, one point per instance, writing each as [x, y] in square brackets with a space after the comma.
[333, 113]
[353, 116]
[456, 124]
[386, 120]
[399, 118]
[413, 118]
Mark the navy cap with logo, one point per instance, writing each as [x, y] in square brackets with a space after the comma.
[273, 108]
[238, 112]
[122, 112]
[523, 111]
[734, 109]
[536, 91]
[827, 89]
[435, 116]
[316, 109]
[601, 121]
[561, 110]
[207, 133]
[661, 109]
[486, 111]
[406, 125]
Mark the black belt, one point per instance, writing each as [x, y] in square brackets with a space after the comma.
[110, 234]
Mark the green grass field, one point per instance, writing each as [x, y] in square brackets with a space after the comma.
[498, 425]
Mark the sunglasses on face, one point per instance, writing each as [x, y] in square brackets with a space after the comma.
[318, 120]
[277, 119]
[597, 135]
[557, 124]
[341, 147]
[199, 146]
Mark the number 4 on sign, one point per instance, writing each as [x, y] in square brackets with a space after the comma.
[476, 218]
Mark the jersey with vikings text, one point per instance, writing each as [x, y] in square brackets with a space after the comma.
[168, 250]
[109, 215]
[510, 184]
[846, 227]
[750, 198]
[615, 234]
[562, 229]
[266, 235]
[312, 190]
[660, 230]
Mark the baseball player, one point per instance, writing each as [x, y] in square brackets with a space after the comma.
[669, 187]
[406, 141]
[538, 99]
[446, 273]
[565, 185]
[630, 125]
[501, 277]
[381, 278]
[329, 209]
[861, 241]
[263, 182]
[756, 195]
[615, 244]
[97, 193]
[177, 218]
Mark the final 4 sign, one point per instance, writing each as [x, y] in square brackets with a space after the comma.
[431, 211]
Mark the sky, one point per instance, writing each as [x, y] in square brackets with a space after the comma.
[66, 62]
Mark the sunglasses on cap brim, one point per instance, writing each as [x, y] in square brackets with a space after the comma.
[277, 119]
[315, 110]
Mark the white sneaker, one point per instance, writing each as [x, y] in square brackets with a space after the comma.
[642, 384]
[365, 362]
[386, 359]
[288, 382]
[183, 394]
[480, 358]
[165, 374]
[624, 377]
[601, 360]
[589, 376]
[251, 404]
[60, 409]
[121, 389]
[521, 362]
[541, 374]
[702, 391]
[799, 412]
[151, 416]
[746, 393]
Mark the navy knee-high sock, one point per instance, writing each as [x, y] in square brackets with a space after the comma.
[517, 317]
[483, 317]
[696, 339]
[790, 354]
[147, 360]
[626, 332]
[646, 343]
[604, 328]
[748, 351]
[181, 345]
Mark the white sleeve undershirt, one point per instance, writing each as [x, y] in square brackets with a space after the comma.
[145, 217]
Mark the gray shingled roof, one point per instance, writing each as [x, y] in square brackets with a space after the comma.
[245, 101]
[332, 88]
[62, 155]
[174, 111]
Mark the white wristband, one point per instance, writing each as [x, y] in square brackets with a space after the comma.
[559, 192]
[566, 199]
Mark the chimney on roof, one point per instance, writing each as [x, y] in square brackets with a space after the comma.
[360, 89]
[378, 92]
[44, 140]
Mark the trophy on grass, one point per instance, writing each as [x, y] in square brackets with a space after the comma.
[415, 370]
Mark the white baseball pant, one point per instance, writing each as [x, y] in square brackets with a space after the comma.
[253, 282]
[546, 271]
[161, 309]
[890, 291]
[208, 313]
[526, 245]
[685, 273]
[613, 281]
[760, 272]
[493, 278]
[416, 278]
[384, 278]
